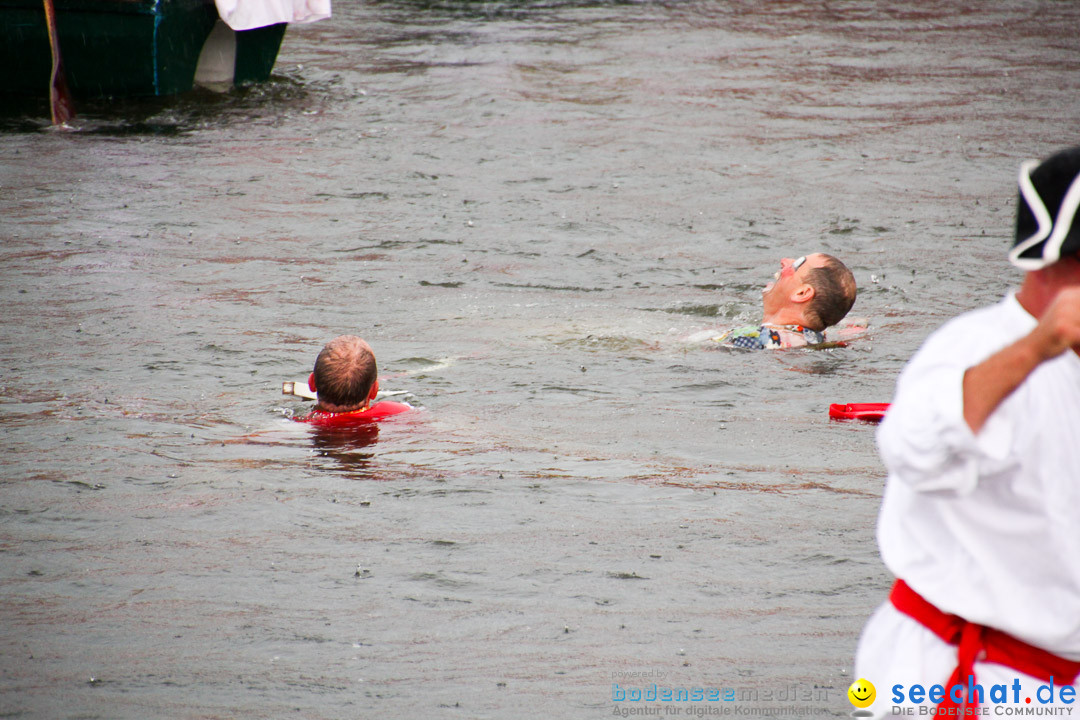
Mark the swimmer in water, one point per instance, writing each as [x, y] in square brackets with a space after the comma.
[345, 382]
[806, 296]
[345, 375]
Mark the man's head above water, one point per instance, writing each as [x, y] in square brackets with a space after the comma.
[815, 291]
[345, 375]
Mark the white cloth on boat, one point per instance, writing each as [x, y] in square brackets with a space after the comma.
[250, 14]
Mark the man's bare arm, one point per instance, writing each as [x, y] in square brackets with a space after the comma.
[987, 384]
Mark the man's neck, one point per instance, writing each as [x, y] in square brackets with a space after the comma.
[1036, 293]
[785, 316]
[337, 409]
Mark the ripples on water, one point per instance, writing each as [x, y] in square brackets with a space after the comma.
[526, 208]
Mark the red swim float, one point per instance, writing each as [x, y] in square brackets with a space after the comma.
[378, 411]
[870, 412]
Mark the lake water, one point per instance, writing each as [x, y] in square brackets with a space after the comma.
[526, 208]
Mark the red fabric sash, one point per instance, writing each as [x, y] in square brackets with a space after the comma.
[978, 643]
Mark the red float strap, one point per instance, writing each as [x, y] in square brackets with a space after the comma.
[378, 411]
[870, 412]
[978, 643]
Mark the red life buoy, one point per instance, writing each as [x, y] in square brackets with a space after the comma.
[870, 412]
[378, 411]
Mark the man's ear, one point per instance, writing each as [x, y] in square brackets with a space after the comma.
[804, 293]
[311, 382]
[374, 391]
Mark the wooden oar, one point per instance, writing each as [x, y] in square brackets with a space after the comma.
[299, 388]
[63, 109]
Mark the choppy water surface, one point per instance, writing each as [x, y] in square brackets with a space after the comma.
[525, 208]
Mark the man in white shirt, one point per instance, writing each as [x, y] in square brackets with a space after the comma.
[979, 521]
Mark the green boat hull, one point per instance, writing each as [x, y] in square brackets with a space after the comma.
[122, 48]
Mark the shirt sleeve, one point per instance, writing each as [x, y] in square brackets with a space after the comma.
[924, 440]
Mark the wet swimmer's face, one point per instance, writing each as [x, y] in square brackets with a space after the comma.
[790, 288]
[788, 268]
[789, 282]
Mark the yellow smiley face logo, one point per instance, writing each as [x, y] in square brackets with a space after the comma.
[861, 693]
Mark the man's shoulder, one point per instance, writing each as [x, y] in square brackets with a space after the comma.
[980, 332]
[1006, 315]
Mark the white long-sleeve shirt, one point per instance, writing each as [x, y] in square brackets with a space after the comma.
[987, 526]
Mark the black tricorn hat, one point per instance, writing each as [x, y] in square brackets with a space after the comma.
[1046, 211]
